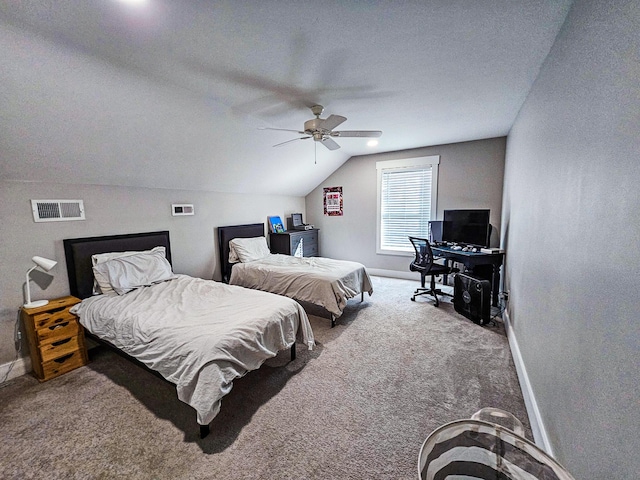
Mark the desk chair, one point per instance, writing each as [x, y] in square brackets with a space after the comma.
[424, 263]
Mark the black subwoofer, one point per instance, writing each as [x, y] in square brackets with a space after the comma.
[472, 298]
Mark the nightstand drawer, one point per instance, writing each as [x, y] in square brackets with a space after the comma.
[61, 365]
[59, 348]
[57, 332]
[47, 319]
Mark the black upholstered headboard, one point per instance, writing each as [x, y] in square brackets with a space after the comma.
[78, 253]
[229, 233]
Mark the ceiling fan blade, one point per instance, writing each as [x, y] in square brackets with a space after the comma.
[332, 121]
[281, 129]
[357, 133]
[329, 143]
[289, 141]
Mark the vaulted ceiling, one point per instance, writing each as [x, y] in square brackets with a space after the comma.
[174, 94]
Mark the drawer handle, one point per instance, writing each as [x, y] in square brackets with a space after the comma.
[57, 320]
[64, 359]
[53, 327]
[61, 342]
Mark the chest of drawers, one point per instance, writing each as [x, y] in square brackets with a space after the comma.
[299, 243]
[56, 339]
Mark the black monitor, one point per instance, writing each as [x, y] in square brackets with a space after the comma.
[470, 227]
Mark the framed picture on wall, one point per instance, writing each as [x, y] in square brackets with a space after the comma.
[332, 199]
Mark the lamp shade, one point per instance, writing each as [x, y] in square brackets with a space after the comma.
[44, 263]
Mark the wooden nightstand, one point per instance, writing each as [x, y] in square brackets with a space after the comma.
[56, 339]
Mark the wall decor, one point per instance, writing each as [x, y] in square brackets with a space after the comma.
[332, 201]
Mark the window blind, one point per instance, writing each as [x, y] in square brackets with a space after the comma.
[405, 206]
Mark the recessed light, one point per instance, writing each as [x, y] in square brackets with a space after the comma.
[372, 143]
[135, 3]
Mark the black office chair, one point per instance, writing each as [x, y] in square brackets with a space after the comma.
[424, 263]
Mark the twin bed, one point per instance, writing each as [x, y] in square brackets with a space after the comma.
[201, 334]
[198, 334]
[324, 282]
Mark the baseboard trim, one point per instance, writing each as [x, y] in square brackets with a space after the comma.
[394, 273]
[21, 366]
[535, 419]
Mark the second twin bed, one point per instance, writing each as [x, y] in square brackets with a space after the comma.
[246, 261]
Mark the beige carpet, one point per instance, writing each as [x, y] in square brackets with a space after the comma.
[358, 407]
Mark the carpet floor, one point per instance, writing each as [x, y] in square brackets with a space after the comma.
[359, 406]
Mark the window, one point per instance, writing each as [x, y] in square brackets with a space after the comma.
[407, 192]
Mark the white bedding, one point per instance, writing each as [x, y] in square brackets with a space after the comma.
[199, 334]
[317, 280]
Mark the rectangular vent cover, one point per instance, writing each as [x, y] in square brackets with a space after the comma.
[57, 210]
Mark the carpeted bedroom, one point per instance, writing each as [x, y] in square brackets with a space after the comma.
[357, 406]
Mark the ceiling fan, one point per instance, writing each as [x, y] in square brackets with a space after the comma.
[322, 130]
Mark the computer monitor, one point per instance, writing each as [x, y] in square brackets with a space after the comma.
[470, 227]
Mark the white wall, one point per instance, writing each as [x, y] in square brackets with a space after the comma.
[111, 211]
[571, 227]
[470, 175]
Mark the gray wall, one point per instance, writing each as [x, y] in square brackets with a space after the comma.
[110, 211]
[571, 227]
[470, 175]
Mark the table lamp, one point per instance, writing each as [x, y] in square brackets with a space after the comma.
[46, 265]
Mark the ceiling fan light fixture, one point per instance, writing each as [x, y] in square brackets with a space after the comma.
[322, 129]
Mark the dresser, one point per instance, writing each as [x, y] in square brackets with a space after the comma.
[56, 339]
[299, 243]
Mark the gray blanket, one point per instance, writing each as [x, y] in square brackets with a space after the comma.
[321, 281]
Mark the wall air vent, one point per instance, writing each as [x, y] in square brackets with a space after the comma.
[57, 210]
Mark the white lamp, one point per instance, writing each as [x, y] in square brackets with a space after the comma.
[46, 265]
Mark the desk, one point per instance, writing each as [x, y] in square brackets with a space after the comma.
[470, 260]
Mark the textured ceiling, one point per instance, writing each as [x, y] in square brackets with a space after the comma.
[172, 94]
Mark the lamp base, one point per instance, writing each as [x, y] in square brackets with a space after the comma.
[37, 303]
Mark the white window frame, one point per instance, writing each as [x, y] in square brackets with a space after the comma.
[407, 163]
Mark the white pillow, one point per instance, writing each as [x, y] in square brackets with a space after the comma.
[233, 256]
[101, 283]
[249, 249]
[134, 271]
